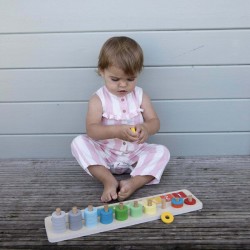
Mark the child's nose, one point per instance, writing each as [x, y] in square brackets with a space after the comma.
[123, 83]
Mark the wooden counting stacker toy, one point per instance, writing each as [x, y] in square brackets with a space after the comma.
[76, 223]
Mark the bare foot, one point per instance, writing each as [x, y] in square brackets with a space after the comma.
[110, 184]
[109, 192]
[129, 186]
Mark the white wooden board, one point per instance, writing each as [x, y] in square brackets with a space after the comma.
[161, 48]
[84, 231]
[175, 116]
[78, 16]
[170, 83]
[179, 144]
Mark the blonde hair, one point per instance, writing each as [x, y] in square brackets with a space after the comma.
[122, 52]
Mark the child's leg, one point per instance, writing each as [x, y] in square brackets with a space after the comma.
[149, 168]
[129, 186]
[109, 182]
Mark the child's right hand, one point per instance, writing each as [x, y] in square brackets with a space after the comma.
[127, 134]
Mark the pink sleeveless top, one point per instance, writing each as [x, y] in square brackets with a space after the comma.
[121, 110]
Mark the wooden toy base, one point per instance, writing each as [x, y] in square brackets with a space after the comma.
[84, 231]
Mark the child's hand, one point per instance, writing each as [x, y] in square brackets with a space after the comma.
[128, 133]
[142, 133]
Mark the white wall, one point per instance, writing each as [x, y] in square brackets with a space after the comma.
[197, 71]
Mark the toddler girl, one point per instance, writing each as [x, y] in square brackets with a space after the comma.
[120, 118]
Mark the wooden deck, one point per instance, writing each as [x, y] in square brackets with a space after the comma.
[32, 189]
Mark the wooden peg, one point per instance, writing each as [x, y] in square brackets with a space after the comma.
[121, 205]
[58, 211]
[190, 198]
[74, 210]
[106, 207]
[163, 203]
[149, 202]
[136, 204]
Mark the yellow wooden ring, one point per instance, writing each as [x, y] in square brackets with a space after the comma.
[167, 217]
[133, 129]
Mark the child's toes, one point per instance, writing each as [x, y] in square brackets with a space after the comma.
[105, 198]
[114, 195]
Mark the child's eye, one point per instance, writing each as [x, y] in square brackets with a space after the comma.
[115, 79]
[131, 79]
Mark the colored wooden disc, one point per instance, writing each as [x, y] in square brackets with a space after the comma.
[167, 217]
[121, 212]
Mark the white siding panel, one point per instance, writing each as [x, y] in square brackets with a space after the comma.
[205, 143]
[204, 116]
[160, 48]
[160, 82]
[48, 85]
[196, 82]
[78, 15]
[58, 146]
[197, 71]
[175, 116]
[35, 146]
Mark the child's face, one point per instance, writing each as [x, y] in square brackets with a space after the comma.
[117, 82]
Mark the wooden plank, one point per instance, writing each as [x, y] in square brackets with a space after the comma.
[204, 115]
[175, 116]
[192, 144]
[27, 16]
[31, 189]
[199, 82]
[35, 146]
[180, 144]
[161, 48]
[48, 85]
[161, 83]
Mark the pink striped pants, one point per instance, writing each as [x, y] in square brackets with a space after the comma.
[147, 159]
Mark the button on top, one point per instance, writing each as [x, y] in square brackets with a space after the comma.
[122, 99]
[124, 111]
[124, 143]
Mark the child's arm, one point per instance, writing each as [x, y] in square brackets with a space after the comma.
[97, 131]
[151, 124]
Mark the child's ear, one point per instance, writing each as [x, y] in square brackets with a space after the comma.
[101, 72]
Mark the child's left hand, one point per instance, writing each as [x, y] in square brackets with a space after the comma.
[142, 133]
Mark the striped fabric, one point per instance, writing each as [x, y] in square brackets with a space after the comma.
[147, 159]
